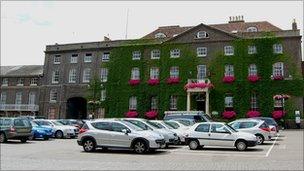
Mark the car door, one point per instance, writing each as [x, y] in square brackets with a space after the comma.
[118, 137]
[22, 126]
[201, 132]
[220, 135]
[102, 133]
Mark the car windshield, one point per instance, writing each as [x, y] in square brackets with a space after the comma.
[57, 123]
[172, 124]
[156, 124]
[5, 122]
[34, 123]
[139, 124]
[132, 126]
[231, 128]
[184, 122]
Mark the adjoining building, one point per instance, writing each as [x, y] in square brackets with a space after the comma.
[201, 67]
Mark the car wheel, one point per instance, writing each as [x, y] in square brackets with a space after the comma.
[59, 134]
[260, 139]
[193, 144]
[241, 145]
[89, 145]
[23, 140]
[140, 147]
[2, 138]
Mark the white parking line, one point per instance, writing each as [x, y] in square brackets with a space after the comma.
[268, 152]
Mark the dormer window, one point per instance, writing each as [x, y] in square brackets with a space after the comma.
[160, 35]
[202, 34]
[252, 29]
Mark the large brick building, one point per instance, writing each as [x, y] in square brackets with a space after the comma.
[69, 67]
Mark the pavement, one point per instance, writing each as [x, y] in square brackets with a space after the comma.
[285, 152]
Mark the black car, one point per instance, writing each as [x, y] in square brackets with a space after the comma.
[15, 128]
[195, 116]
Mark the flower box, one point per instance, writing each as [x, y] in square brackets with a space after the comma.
[284, 96]
[172, 80]
[134, 82]
[229, 114]
[278, 114]
[131, 114]
[253, 78]
[228, 79]
[278, 77]
[198, 85]
[151, 114]
[153, 81]
[253, 113]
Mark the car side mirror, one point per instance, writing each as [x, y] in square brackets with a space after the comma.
[126, 131]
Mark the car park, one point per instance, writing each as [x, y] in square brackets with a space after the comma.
[116, 133]
[254, 126]
[170, 137]
[218, 134]
[193, 116]
[60, 130]
[40, 132]
[15, 128]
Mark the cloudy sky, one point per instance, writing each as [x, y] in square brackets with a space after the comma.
[27, 27]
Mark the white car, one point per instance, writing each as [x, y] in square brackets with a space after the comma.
[179, 132]
[60, 130]
[218, 134]
[257, 127]
[170, 137]
[116, 133]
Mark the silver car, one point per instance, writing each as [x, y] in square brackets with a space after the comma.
[116, 133]
[170, 137]
[257, 127]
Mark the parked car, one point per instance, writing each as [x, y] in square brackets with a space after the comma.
[174, 128]
[15, 128]
[170, 137]
[254, 126]
[218, 134]
[107, 133]
[177, 124]
[184, 121]
[194, 116]
[72, 122]
[40, 132]
[60, 130]
[272, 124]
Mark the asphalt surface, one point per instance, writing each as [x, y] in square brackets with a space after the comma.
[284, 153]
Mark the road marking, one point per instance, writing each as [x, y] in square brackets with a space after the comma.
[268, 152]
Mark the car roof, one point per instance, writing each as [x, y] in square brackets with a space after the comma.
[247, 119]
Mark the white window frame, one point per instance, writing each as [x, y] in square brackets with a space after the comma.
[174, 53]
[159, 35]
[228, 50]
[229, 70]
[32, 98]
[53, 95]
[202, 35]
[105, 57]
[229, 101]
[278, 48]
[34, 81]
[252, 70]
[72, 75]
[57, 59]
[103, 95]
[4, 82]
[3, 98]
[104, 74]
[252, 29]
[86, 76]
[154, 73]
[201, 72]
[20, 82]
[74, 59]
[18, 98]
[87, 57]
[278, 69]
[135, 73]
[174, 72]
[55, 77]
[254, 101]
[201, 51]
[133, 103]
[252, 50]
[173, 102]
[154, 103]
[155, 54]
[136, 55]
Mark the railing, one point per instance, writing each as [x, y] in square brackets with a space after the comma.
[206, 80]
[18, 107]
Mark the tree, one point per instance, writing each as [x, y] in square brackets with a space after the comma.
[94, 95]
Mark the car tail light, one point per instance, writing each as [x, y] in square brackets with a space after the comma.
[273, 129]
[12, 129]
[82, 130]
[265, 129]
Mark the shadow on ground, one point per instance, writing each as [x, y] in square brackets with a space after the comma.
[126, 152]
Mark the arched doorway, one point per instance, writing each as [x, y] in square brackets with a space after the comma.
[76, 108]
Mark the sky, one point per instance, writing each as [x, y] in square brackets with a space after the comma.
[27, 27]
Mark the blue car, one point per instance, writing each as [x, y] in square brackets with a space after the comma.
[41, 132]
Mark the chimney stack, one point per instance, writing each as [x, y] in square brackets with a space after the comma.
[236, 19]
[294, 25]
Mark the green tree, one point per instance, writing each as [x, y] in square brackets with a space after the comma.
[94, 95]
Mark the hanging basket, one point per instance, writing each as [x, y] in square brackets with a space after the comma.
[173, 80]
[228, 79]
[253, 78]
[131, 114]
[151, 114]
[153, 81]
[134, 82]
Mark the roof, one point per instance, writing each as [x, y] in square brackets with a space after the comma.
[171, 31]
[21, 70]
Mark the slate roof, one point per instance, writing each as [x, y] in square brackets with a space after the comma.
[21, 70]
